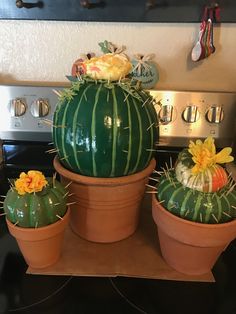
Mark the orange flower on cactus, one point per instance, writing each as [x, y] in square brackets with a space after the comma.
[204, 155]
[33, 181]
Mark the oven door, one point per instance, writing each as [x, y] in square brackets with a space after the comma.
[23, 156]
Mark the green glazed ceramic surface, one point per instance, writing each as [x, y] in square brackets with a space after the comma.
[103, 129]
[217, 207]
[38, 209]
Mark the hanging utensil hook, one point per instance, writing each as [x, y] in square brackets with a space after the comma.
[29, 5]
[214, 10]
[213, 5]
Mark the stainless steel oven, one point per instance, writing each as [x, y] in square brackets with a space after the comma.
[26, 136]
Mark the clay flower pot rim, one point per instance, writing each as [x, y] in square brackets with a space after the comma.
[76, 177]
[193, 223]
[40, 230]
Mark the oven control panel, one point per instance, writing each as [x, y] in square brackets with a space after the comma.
[27, 112]
[184, 115]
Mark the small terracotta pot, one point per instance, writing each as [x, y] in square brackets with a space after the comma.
[41, 247]
[190, 247]
[106, 209]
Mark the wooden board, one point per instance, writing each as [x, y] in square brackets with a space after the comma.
[137, 256]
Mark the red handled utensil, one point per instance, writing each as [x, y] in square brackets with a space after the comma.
[204, 46]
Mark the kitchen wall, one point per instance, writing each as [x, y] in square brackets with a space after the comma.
[43, 51]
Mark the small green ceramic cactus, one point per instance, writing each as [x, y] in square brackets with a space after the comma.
[199, 189]
[34, 201]
[190, 204]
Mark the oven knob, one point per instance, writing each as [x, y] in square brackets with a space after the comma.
[17, 107]
[215, 114]
[191, 114]
[165, 114]
[40, 108]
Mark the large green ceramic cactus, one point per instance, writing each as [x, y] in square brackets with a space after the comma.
[33, 210]
[105, 129]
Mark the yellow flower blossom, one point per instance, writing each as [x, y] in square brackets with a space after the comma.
[33, 181]
[111, 67]
[204, 155]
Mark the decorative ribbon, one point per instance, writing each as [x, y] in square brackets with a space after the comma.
[114, 49]
[142, 62]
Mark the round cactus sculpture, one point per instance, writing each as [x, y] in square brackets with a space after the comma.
[199, 189]
[34, 201]
[105, 127]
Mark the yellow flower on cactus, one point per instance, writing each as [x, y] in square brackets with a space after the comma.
[111, 67]
[33, 181]
[204, 155]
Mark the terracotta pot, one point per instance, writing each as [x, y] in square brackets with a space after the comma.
[41, 247]
[106, 209]
[190, 247]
